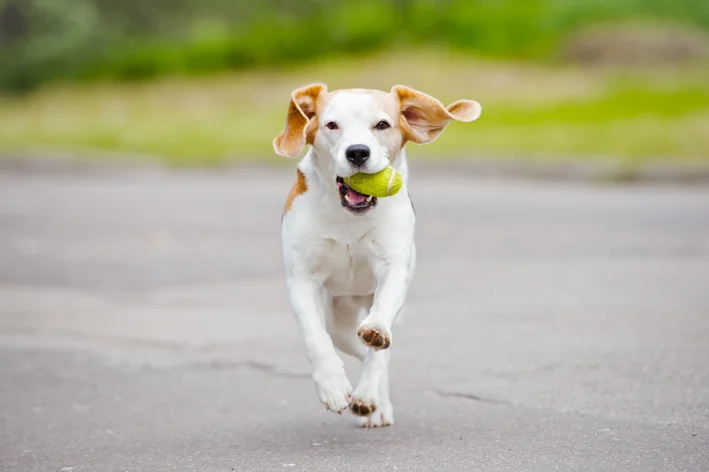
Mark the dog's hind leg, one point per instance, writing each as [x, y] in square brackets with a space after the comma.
[345, 314]
[370, 399]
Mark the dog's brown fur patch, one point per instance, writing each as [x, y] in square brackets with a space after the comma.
[423, 117]
[301, 122]
[299, 187]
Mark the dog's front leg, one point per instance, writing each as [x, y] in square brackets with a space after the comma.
[329, 375]
[393, 279]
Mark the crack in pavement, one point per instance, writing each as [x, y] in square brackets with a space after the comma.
[470, 396]
[116, 341]
[123, 342]
[262, 367]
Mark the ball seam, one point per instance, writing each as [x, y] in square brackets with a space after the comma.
[391, 179]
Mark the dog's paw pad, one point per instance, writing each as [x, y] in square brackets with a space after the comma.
[378, 419]
[362, 407]
[374, 336]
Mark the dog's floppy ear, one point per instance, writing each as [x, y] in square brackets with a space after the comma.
[423, 117]
[301, 122]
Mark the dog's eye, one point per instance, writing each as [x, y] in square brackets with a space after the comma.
[331, 125]
[383, 125]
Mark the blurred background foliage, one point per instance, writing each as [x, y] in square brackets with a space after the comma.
[622, 78]
[43, 40]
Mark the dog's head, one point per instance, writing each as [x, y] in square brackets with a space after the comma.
[358, 130]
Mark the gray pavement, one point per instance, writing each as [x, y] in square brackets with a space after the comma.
[551, 326]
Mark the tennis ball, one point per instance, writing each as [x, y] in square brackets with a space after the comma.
[382, 184]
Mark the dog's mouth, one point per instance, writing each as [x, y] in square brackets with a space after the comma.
[353, 200]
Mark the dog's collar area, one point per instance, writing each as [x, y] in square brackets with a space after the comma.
[352, 200]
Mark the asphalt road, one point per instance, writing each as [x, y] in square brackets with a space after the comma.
[144, 327]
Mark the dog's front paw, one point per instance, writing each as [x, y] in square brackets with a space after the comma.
[383, 416]
[374, 335]
[334, 390]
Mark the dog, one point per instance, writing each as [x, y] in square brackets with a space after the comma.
[349, 258]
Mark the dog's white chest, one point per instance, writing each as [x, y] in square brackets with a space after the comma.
[346, 269]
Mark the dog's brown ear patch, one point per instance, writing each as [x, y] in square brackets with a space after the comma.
[423, 117]
[301, 122]
[299, 187]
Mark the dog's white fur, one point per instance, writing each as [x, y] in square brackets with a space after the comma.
[348, 274]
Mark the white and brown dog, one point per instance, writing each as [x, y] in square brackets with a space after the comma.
[349, 258]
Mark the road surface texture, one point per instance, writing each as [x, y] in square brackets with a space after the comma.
[144, 326]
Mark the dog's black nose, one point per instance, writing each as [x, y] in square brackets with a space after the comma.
[357, 154]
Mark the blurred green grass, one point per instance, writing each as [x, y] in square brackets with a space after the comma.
[207, 81]
[43, 41]
[630, 115]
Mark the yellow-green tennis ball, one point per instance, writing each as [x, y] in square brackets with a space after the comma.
[382, 184]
